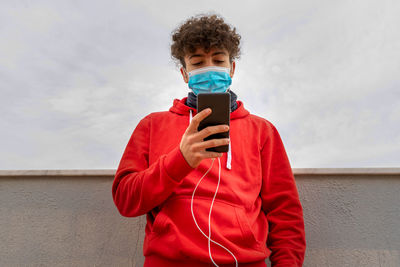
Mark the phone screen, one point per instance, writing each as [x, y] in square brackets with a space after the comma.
[220, 106]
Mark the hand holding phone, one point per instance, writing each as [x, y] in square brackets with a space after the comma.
[193, 147]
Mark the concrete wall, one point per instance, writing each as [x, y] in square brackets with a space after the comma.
[68, 218]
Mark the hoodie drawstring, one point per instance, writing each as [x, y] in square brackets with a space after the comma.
[229, 155]
[229, 158]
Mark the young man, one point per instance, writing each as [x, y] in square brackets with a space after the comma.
[204, 208]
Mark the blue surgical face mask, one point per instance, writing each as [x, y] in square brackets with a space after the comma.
[211, 79]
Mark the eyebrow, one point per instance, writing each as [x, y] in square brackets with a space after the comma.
[214, 54]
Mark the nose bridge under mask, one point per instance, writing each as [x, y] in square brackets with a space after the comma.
[188, 74]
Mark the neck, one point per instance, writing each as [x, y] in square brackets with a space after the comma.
[191, 101]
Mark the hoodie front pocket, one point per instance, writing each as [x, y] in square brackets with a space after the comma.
[175, 233]
[159, 223]
[248, 235]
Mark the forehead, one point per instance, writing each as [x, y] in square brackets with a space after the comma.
[213, 51]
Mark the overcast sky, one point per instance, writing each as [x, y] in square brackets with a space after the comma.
[77, 76]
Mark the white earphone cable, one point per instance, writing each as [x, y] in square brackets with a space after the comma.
[209, 216]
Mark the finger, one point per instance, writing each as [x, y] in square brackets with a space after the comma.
[210, 154]
[194, 124]
[211, 143]
[211, 130]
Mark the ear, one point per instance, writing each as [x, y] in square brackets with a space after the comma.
[185, 76]
[232, 72]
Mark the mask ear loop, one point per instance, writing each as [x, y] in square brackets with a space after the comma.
[229, 73]
[209, 216]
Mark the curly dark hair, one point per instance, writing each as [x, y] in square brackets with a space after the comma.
[205, 31]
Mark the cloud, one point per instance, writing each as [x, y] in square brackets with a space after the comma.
[75, 79]
[328, 81]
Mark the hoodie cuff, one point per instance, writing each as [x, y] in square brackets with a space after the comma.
[176, 166]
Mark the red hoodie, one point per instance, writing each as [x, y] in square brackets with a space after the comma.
[256, 206]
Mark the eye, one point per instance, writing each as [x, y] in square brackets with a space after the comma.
[196, 64]
[219, 61]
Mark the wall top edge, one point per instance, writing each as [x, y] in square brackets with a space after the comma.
[111, 172]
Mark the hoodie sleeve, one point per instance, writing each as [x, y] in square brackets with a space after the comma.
[138, 187]
[281, 204]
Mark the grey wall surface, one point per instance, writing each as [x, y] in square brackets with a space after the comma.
[68, 218]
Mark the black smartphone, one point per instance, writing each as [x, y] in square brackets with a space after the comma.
[220, 104]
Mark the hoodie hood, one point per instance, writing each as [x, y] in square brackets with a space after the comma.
[179, 107]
